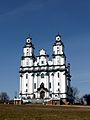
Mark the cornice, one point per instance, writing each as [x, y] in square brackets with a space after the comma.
[23, 57]
[42, 70]
[62, 55]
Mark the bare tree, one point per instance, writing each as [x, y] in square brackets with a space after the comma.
[4, 97]
[75, 93]
[87, 98]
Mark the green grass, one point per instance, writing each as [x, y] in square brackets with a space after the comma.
[43, 112]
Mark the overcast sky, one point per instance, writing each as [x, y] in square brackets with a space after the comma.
[43, 19]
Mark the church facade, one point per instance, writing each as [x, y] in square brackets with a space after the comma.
[41, 78]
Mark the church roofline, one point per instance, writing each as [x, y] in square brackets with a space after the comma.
[23, 57]
[43, 55]
[42, 49]
[42, 70]
[43, 66]
[59, 55]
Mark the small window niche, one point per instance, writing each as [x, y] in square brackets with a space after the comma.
[42, 75]
[26, 90]
[42, 62]
[26, 84]
[58, 75]
[58, 84]
[34, 85]
[26, 76]
[50, 85]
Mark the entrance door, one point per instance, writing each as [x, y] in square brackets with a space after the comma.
[42, 94]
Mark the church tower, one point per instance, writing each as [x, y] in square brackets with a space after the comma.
[59, 57]
[27, 62]
[59, 62]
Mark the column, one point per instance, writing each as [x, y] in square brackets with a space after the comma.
[47, 84]
[20, 91]
[37, 84]
[52, 85]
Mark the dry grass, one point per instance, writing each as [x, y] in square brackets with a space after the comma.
[43, 112]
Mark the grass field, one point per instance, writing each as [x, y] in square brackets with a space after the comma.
[43, 112]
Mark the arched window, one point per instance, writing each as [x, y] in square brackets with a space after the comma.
[34, 96]
[26, 76]
[27, 52]
[52, 74]
[42, 75]
[50, 85]
[34, 85]
[58, 75]
[42, 62]
[58, 84]
[26, 90]
[33, 75]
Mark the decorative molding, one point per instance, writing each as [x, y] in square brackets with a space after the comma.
[32, 57]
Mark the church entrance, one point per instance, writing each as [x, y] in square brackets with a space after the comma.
[42, 94]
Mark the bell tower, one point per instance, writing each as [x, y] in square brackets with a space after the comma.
[28, 53]
[27, 62]
[59, 57]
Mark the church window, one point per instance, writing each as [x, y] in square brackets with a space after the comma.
[34, 85]
[57, 50]
[58, 83]
[26, 76]
[58, 89]
[42, 75]
[34, 96]
[47, 74]
[27, 53]
[50, 95]
[50, 85]
[42, 62]
[58, 75]
[33, 75]
[26, 84]
[52, 74]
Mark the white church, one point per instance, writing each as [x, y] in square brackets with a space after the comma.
[42, 78]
